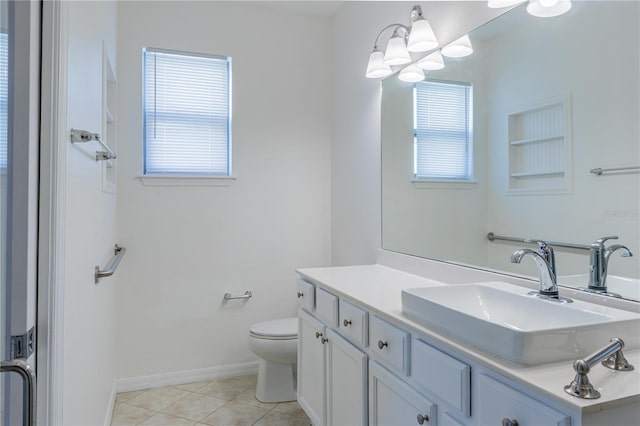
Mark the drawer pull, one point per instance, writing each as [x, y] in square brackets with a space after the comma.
[509, 422]
[346, 322]
[381, 346]
[325, 340]
[422, 418]
[318, 334]
[300, 294]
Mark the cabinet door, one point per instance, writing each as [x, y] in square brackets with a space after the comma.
[393, 402]
[346, 383]
[311, 367]
[498, 401]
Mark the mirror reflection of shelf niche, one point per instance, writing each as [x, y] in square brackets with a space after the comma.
[109, 115]
[540, 148]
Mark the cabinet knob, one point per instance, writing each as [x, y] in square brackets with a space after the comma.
[381, 346]
[346, 322]
[509, 422]
[325, 340]
[422, 418]
[318, 334]
[300, 294]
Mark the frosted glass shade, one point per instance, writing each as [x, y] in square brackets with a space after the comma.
[459, 48]
[421, 37]
[497, 4]
[411, 74]
[376, 68]
[548, 8]
[432, 62]
[396, 52]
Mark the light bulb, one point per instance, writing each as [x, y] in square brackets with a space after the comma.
[396, 52]
[548, 8]
[459, 48]
[376, 68]
[548, 3]
[421, 37]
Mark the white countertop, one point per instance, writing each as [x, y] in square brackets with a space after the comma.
[378, 288]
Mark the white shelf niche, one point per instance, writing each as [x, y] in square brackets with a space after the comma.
[540, 149]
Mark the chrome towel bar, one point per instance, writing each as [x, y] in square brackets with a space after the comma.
[599, 171]
[491, 237]
[247, 295]
[28, 388]
[85, 136]
[118, 254]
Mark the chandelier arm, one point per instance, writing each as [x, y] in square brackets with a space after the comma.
[395, 27]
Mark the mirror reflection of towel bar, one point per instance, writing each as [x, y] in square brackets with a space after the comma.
[81, 136]
[599, 171]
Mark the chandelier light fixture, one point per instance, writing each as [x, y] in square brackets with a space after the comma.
[418, 37]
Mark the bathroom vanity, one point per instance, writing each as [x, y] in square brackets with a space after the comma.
[362, 360]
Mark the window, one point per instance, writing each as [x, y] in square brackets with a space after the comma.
[187, 114]
[443, 131]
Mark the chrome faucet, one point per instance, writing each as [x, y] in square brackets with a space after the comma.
[599, 262]
[546, 272]
[546, 264]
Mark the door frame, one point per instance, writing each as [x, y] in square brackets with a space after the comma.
[54, 139]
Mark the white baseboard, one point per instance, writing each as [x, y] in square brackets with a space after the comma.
[112, 403]
[180, 377]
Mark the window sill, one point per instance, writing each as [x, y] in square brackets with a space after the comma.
[444, 184]
[186, 180]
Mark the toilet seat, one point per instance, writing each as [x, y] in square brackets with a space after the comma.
[280, 329]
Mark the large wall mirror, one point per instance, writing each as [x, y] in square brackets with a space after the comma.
[552, 99]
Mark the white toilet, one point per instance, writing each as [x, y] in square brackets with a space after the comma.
[276, 343]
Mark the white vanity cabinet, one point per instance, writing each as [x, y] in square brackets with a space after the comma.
[357, 367]
[500, 404]
[332, 373]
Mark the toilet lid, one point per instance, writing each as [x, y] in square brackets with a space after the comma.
[280, 328]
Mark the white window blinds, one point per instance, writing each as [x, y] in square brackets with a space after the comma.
[443, 131]
[187, 123]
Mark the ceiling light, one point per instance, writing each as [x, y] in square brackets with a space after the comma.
[459, 48]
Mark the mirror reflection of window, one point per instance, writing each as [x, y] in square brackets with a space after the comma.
[443, 140]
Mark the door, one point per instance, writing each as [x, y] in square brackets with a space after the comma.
[19, 143]
[311, 367]
[346, 382]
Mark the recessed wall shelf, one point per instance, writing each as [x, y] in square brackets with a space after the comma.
[539, 144]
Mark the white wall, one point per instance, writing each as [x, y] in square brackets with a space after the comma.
[187, 246]
[355, 155]
[89, 309]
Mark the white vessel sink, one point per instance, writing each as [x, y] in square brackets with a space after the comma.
[502, 319]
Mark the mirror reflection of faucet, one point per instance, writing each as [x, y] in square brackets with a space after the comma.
[599, 256]
[546, 264]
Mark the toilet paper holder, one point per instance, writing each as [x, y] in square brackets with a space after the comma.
[247, 295]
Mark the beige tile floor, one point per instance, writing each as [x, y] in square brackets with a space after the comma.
[223, 402]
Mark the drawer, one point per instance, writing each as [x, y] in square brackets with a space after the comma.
[442, 375]
[354, 323]
[306, 295]
[497, 402]
[389, 344]
[327, 307]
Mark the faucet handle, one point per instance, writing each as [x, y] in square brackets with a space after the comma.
[546, 251]
[601, 241]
